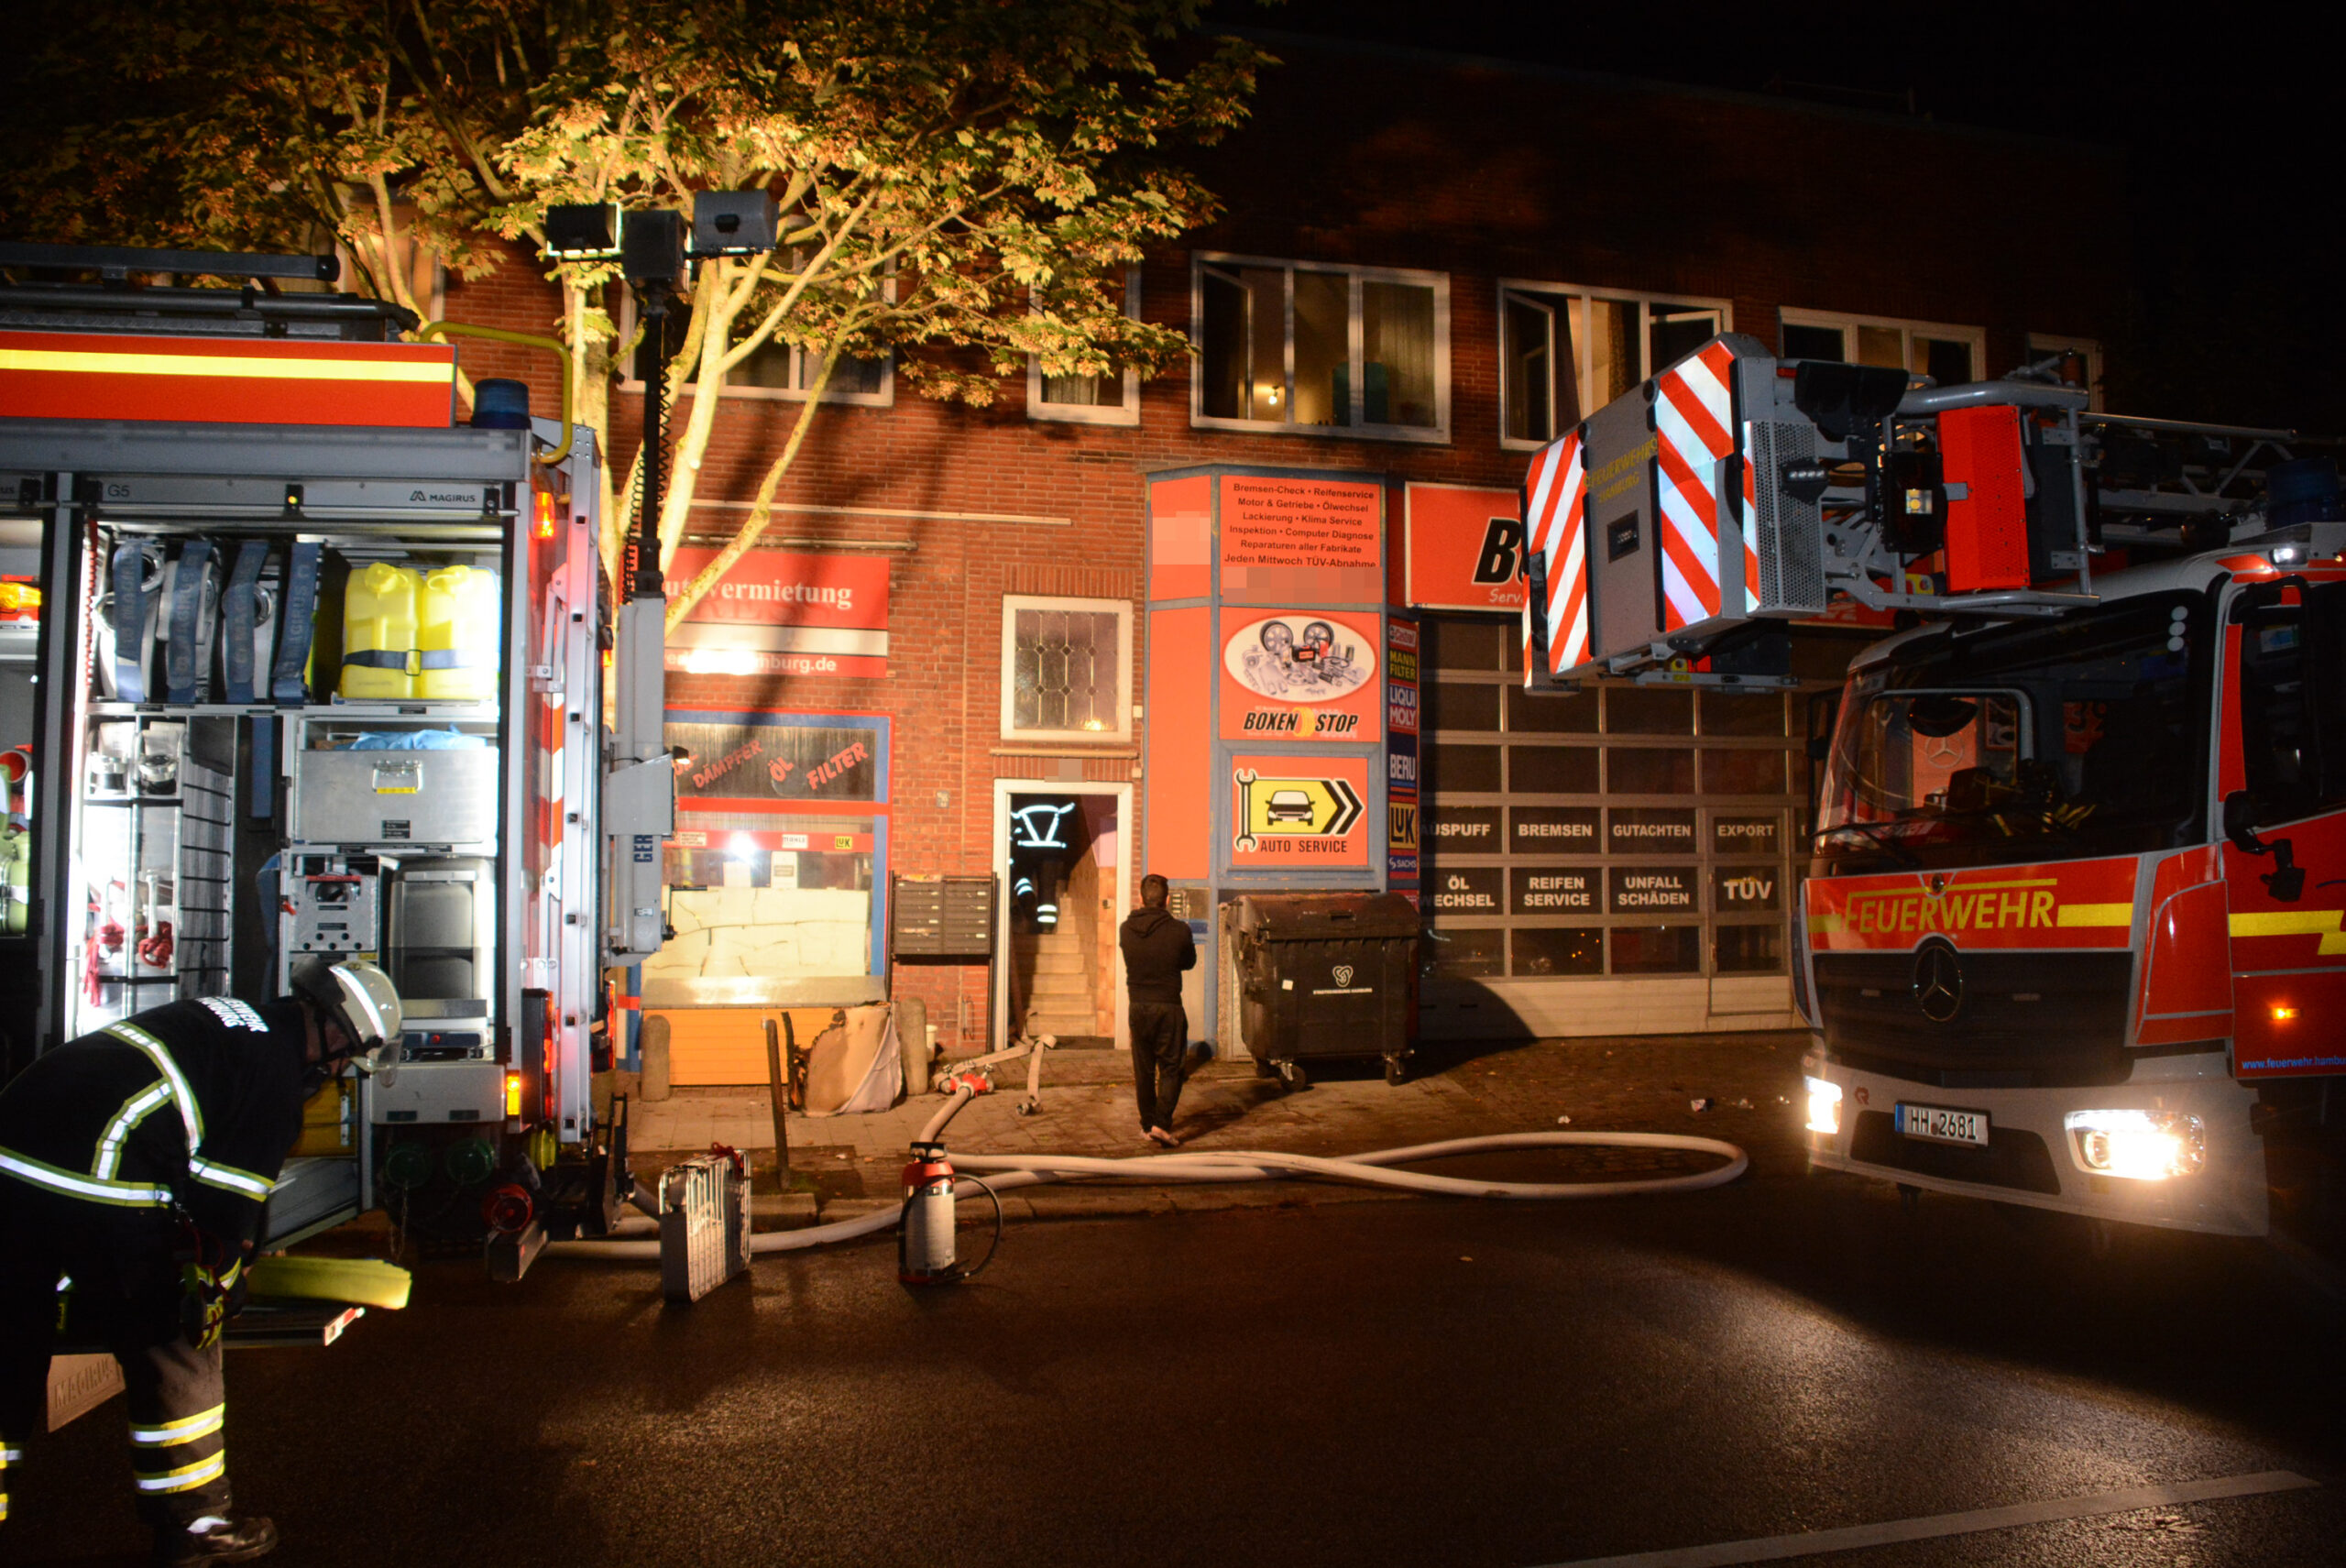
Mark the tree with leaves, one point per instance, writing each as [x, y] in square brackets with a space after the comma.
[962, 182]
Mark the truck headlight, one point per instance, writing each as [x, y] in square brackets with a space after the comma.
[2142, 1145]
[1824, 1106]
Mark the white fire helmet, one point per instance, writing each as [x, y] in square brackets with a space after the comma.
[360, 997]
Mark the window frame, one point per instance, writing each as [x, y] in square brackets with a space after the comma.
[1123, 609]
[2044, 344]
[884, 398]
[1436, 435]
[1908, 330]
[1540, 294]
[1126, 413]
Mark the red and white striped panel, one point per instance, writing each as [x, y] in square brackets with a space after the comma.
[1555, 526]
[1749, 523]
[1693, 417]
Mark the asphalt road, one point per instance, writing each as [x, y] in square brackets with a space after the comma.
[1387, 1382]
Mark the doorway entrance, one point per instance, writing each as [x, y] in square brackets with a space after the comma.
[1063, 852]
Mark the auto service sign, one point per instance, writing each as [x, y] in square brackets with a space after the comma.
[1295, 812]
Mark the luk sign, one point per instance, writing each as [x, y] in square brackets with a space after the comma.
[1465, 547]
[1297, 812]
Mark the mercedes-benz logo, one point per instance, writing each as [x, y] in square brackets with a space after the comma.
[1938, 980]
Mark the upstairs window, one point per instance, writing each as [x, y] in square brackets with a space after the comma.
[1314, 350]
[1950, 356]
[1566, 352]
[2082, 355]
[1089, 400]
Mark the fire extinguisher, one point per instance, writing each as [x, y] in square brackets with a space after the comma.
[924, 1253]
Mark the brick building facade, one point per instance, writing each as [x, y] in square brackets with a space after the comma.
[1624, 219]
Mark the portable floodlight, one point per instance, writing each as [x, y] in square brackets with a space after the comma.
[735, 223]
[583, 232]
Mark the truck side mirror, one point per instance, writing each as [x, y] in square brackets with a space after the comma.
[2286, 880]
[2240, 823]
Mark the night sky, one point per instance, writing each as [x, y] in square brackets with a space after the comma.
[2231, 119]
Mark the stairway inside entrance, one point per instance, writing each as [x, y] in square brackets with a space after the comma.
[1061, 996]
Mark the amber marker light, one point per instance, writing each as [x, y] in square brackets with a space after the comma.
[2283, 1013]
[512, 1093]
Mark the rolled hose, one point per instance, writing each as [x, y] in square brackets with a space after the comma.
[1006, 1173]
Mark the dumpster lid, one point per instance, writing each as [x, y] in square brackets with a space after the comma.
[1323, 916]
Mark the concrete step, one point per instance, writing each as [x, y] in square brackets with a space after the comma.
[1078, 985]
[1064, 961]
[1062, 1022]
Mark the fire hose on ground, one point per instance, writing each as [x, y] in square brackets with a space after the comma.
[996, 1174]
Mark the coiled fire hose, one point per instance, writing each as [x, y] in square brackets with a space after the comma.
[1006, 1173]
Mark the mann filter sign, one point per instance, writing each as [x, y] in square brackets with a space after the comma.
[1653, 890]
[779, 613]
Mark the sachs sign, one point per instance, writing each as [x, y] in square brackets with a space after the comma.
[1300, 675]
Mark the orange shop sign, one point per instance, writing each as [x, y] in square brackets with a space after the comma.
[1465, 547]
[785, 612]
[1299, 675]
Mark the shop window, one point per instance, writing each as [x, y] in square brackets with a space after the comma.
[1477, 645]
[1320, 350]
[1750, 950]
[1950, 356]
[1649, 710]
[1653, 770]
[1552, 769]
[1113, 398]
[1743, 771]
[1566, 352]
[780, 851]
[1066, 670]
[1461, 770]
[1732, 713]
[1551, 713]
[1657, 950]
[1572, 949]
[1455, 706]
[2081, 360]
[1451, 953]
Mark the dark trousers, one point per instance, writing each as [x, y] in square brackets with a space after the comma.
[1160, 1041]
[126, 1296]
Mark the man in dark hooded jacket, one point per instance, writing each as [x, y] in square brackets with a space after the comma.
[1158, 948]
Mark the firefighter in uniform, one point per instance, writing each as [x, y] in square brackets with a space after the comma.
[134, 1162]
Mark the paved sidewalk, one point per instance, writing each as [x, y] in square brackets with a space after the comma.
[1634, 1083]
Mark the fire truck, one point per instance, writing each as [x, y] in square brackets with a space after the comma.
[314, 668]
[2073, 929]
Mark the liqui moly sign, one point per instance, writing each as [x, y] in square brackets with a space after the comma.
[783, 612]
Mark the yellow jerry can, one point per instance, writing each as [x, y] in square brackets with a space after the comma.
[457, 642]
[378, 627]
